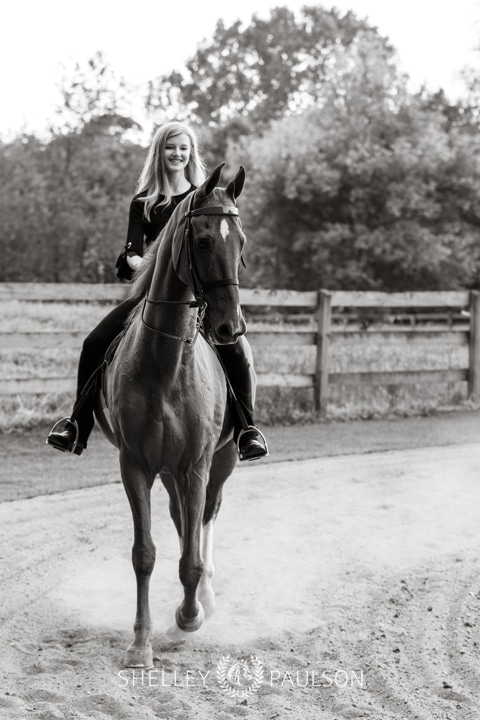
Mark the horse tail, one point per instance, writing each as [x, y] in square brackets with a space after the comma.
[143, 276]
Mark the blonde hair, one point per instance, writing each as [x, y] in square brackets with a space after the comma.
[154, 180]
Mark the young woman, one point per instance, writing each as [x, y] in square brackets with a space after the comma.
[173, 168]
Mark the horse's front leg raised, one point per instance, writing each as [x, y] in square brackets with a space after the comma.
[223, 464]
[191, 493]
[138, 485]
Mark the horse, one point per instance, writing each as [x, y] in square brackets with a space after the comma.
[164, 401]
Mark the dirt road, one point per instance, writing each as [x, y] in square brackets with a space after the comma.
[353, 581]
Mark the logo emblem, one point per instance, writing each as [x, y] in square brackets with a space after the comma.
[240, 678]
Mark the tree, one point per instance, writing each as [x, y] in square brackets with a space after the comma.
[370, 191]
[23, 209]
[93, 94]
[64, 217]
[90, 212]
[264, 71]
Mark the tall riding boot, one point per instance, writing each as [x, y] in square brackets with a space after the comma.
[251, 443]
[79, 426]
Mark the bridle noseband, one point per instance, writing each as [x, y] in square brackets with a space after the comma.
[199, 288]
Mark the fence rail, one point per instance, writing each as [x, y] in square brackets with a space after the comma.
[310, 340]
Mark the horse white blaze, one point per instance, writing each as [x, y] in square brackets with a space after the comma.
[224, 229]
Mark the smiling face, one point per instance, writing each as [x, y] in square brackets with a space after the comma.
[177, 153]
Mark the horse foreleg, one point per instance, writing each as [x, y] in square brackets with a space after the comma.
[223, 464]
[189, 615]
[138, 485]
[175, 511]
[205, 589]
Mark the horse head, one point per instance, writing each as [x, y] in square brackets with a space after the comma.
[208, 256]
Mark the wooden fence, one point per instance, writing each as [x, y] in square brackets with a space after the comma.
[313, 340]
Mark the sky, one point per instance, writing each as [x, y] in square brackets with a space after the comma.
[434, 40]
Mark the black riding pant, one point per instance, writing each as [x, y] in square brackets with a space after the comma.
[96, 344]
[93, 352]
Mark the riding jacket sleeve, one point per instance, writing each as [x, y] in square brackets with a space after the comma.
[136, 229]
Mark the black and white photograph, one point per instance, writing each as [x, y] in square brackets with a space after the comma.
[240, 360]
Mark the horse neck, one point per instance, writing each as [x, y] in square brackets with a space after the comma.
[168, 311]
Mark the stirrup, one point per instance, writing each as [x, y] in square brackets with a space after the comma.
[249, 428]
[65, 420]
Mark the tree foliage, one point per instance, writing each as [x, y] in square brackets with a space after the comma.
[267, 69]
[373, 188]
[352, 182]
[65, 202]
[64, 217]
[386, 198]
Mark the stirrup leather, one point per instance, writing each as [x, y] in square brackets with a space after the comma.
[65, 420]
[248, 429]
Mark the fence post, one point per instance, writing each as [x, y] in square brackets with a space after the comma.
[474, 354]
[323, 317]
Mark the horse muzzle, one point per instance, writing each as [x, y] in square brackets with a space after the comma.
[227, 331]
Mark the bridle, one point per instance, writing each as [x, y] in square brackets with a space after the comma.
[199, 288]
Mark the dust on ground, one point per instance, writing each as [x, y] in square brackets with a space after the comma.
[352, 580]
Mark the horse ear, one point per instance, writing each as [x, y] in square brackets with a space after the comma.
[210, 183]
[235, 186]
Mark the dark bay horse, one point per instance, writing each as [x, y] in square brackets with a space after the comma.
[167, 398]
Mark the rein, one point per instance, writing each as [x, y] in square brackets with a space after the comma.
[198, 287]
[191, 303]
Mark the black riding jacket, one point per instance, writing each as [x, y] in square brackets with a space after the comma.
[141, 232]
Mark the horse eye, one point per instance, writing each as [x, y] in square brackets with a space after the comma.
[203, 242]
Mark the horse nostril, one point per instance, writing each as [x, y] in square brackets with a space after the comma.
[224, 330]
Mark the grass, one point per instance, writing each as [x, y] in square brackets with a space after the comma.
[23, 316]
[275, 406]
[26, 411]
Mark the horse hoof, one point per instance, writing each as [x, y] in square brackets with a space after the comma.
[189, 624]
[139, 658]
